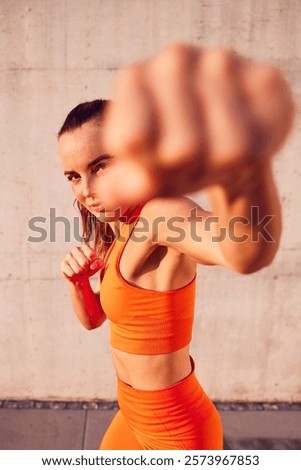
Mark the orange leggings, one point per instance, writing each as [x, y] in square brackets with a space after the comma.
[177, 417]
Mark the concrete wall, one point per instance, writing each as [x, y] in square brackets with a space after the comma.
[56, 53]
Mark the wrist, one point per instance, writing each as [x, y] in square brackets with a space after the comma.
[245, 180]
[80, 283]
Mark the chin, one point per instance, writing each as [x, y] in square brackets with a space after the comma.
[108, 215]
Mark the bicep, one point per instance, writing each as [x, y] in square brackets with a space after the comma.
[198, 243]
[192, 231]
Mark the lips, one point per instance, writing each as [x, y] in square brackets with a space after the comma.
[96, 207]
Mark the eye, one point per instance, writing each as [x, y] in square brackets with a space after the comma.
[99, 166]
[73, 177]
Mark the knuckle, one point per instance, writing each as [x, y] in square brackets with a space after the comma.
[270, 84]
[91, 254]
[75, 250]
[86, 248]
[77, 269]
[174, 59]
[130, 76]
[176, 51]
[272, 78]
[219, 61]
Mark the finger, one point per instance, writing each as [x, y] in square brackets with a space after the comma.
[73, 263]
[66, 270]
[227, 120]
[80, 257]
[96, 265]
[128, 124]
[171, 77]
[88, 252]
[271, 101]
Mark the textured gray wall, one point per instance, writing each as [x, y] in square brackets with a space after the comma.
[56, 53]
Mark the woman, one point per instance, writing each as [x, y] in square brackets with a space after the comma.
[147, 254]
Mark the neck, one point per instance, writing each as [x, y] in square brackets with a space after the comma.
[124, 218]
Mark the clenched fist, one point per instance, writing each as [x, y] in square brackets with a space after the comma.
[187, 117]
[80, 263]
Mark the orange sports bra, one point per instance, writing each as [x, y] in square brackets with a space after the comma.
[144, 321]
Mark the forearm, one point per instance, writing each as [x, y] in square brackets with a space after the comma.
[86, 304]
[249, 218]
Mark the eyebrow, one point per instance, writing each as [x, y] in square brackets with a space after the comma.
[90, 164]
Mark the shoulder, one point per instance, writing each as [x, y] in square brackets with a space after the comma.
[165, 218]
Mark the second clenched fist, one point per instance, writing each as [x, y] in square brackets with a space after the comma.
[182, 119]
[80, 263]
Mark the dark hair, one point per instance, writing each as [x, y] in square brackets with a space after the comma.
[92, 229]
[82, 113]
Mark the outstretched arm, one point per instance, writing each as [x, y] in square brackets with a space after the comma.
[192, 119]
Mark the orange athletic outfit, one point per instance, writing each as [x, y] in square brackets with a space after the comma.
[145, 321]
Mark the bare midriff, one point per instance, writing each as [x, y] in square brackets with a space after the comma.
[152, 372]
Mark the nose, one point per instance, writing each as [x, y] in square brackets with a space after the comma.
[87, 189]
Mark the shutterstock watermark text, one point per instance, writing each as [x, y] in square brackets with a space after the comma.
[238, 228]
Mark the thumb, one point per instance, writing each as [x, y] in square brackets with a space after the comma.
[129, 182]
[96, 264]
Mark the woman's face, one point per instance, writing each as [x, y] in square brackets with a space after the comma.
[84, 161]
